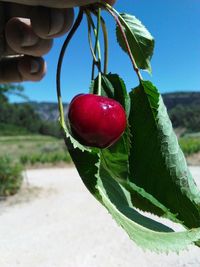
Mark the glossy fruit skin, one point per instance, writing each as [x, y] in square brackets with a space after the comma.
[96, 121]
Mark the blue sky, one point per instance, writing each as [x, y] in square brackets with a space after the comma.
[175, 25]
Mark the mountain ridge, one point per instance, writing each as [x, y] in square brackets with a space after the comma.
[174, 101]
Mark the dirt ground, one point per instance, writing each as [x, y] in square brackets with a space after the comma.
[55, 222]
[194, 159]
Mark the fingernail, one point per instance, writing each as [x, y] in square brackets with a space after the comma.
[35, 66]
[29, 40]
[56, 22]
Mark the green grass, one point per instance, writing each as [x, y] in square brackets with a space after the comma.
[39, 149]
[10, 177]
[9, 129]
[190, 144]
[29, 138]
[34, 149]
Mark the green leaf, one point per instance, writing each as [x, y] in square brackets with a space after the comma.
[114, 87]
[146, 202]
[86, 159]
[145, 232]
[156, 161]
[116, 157]
[140, 40]
[105, 173]
[115, 160]
[87, 165]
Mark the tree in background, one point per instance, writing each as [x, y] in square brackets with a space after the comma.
[11, 89]
[20, 115]
[186, 117]
[22, 118]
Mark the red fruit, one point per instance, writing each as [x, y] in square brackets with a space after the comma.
[96, 121]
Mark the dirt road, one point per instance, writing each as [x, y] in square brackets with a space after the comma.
[55, 222]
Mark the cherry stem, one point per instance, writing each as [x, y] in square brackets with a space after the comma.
[97, 34]
[99, 51]
[116, 16]
[105, 35]
[60, 62]
[90, 38]
[93, 52]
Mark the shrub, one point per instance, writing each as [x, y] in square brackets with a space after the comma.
[48, 157]
[10, 177]
[190, 145]
[7, 129]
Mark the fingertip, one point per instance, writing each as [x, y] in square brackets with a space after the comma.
[51, 22]
[22, 68]
[32, 68]
[21, 39]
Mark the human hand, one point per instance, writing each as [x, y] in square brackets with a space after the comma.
[31, 26]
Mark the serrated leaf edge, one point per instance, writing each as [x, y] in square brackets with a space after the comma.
[190, 236]
[73, 141]
[148, 68]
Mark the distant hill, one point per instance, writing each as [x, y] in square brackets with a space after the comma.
[184, 99]
[42, 117]
[183, 108]
[48, 111]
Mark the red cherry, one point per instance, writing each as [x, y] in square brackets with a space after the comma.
[96, 121]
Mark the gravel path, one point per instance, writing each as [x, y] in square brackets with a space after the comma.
[55, 222]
